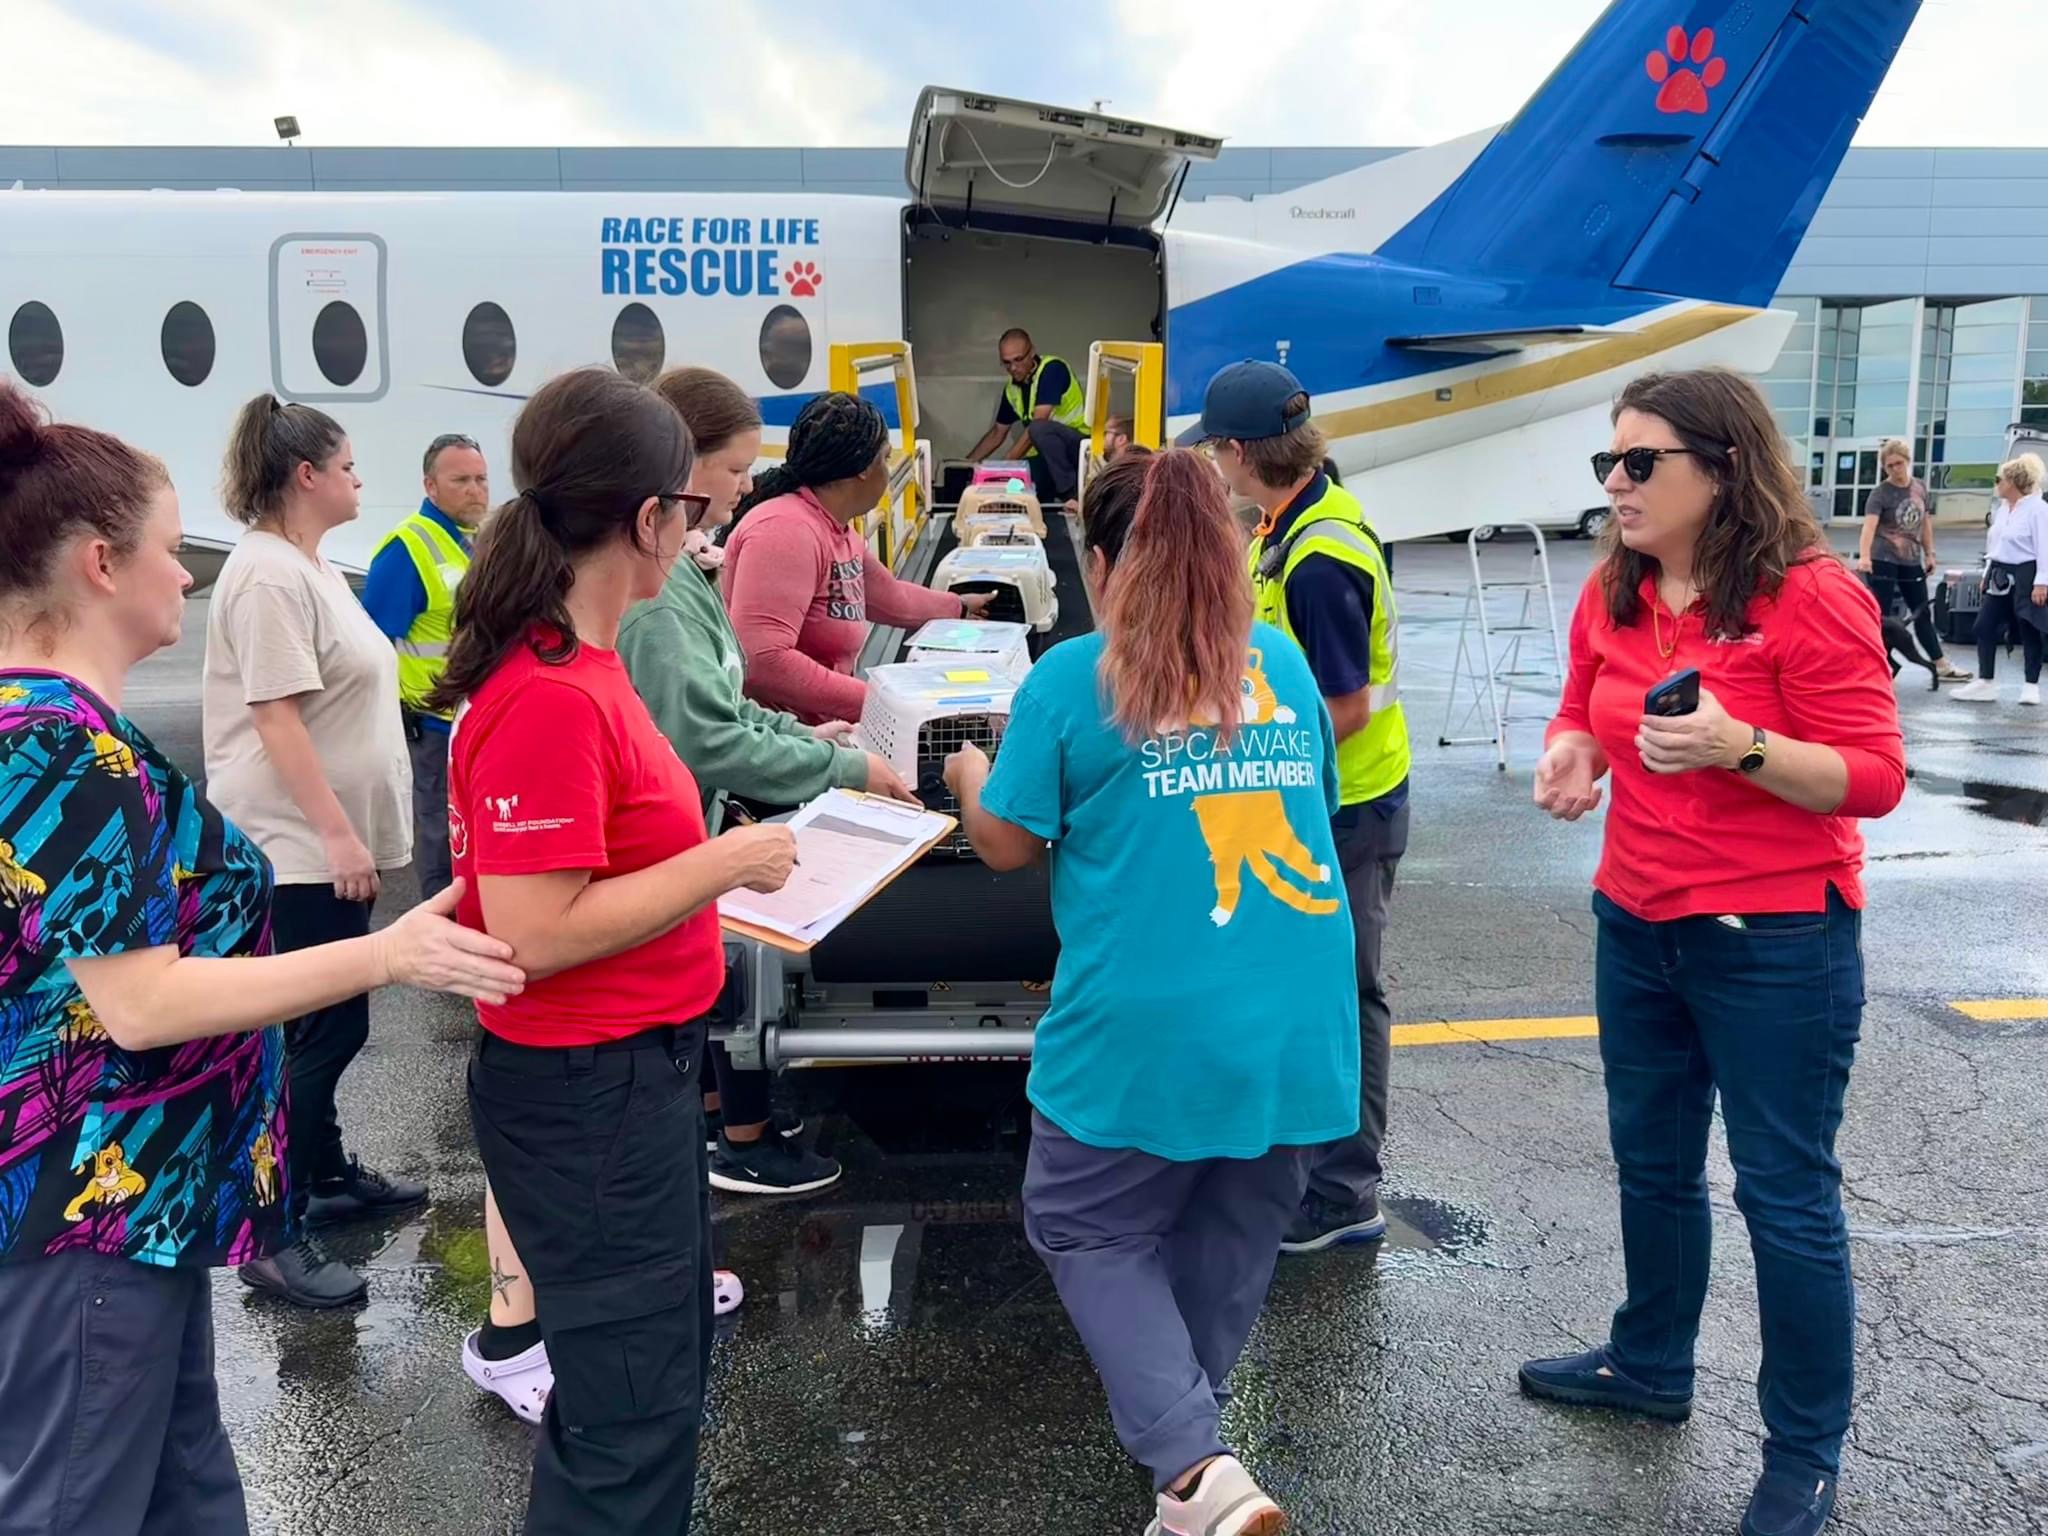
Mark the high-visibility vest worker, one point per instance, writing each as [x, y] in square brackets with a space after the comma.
[439, 553]
[1325, 519]
[1069, 410]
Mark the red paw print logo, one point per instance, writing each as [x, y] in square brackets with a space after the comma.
[1683, 90]
[804, 278]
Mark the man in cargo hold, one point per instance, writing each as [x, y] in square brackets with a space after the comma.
[1042, 418]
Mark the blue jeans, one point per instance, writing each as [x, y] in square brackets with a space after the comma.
[1767, 1013]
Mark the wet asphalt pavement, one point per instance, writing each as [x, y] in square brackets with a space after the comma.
[939, 1388]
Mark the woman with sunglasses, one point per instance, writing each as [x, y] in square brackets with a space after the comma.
[1728, 899]
[581, 837]
[799, 580]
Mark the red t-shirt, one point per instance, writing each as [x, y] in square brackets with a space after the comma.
[1812, 668]
[560, 767]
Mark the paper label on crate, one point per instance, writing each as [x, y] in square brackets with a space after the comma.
[966, 677]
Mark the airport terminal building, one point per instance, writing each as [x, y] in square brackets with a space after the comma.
[1921, 288]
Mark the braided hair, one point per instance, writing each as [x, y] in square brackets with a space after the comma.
[835, 437]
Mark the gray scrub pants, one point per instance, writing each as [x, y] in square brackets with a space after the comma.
[109, 1415]
[1163, 1267]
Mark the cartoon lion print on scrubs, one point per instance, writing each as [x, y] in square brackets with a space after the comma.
[113, 1182]
[1249, 829]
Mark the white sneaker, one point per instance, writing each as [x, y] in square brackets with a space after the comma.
[1982, 691]
[1226, 1503]
[2030, 693]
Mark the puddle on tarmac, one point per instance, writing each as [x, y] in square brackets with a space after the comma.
[2005, 802]
[1418, 1224]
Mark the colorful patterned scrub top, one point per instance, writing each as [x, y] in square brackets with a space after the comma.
[170, 1156]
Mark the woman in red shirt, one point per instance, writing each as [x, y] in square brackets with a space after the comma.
[800, 582]
[580, 834]
[1729, 899]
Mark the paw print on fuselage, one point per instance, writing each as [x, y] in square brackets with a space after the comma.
[1682, 90]
[804, 279]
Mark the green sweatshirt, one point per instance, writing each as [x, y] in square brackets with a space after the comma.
[681, 652]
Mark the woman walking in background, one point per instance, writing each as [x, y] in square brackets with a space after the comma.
[1897, 552]
[1729, 900]
[305, 751]
[2015, 597]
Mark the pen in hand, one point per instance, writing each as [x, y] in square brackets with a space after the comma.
[746, 818]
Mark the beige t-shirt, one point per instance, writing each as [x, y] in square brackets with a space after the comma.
[284, 626]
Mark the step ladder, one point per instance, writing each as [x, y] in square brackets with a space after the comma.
[1493, 664]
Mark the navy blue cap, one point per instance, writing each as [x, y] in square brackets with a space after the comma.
[1247, 401]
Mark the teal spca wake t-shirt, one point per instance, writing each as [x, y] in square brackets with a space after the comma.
[1206, 1000]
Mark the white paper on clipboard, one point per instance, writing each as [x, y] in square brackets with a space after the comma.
[847, 847]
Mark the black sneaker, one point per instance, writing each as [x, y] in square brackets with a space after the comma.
[360, 1192]
[770, 1166]
[1322, 1223]
[785, 1124]
[305, 1276]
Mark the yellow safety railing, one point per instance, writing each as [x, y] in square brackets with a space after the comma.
[1110, 363]
[904, 502]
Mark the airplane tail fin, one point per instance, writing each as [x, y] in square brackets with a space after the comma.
[1681, 148]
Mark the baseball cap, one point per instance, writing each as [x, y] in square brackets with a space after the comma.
[1247, 401]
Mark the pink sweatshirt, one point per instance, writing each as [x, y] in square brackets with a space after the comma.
[801, 588]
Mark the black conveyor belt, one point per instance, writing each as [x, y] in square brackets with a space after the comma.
[953, 920]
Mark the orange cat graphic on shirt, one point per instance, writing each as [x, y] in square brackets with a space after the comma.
[1249, 829]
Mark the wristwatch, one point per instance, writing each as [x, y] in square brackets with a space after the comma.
[1753, 759]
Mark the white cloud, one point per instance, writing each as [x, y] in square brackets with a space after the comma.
[706, 72]
[380, 73]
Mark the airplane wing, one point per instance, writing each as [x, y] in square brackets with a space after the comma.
[1499, 343]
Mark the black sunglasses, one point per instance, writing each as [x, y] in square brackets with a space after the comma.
[1641, 463]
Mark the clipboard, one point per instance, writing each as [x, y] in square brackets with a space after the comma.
[740, 928]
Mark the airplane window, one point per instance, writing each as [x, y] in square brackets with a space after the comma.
[36, 343]
[785, 347]
[488, 345]
[638, 346]
[340, 344]
[188, 344]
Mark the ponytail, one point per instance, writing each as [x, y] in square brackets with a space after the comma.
[588, 450]
[269, 442]
[518, 580]
[1178, 614]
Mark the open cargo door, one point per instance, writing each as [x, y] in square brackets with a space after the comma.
[972, 153]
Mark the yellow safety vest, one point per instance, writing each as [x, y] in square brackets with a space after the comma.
[423, 650]
[1374, 761]
[1070, 410]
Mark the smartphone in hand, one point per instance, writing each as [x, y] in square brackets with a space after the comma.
[1678, 694]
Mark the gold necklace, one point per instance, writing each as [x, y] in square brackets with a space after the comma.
[1677, 622]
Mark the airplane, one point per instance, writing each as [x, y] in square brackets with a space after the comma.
[1462, 315]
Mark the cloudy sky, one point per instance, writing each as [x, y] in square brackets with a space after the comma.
[717, 72]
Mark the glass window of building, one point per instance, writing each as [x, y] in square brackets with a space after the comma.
[2034, 382]
[1788, 382]
[1970, 377]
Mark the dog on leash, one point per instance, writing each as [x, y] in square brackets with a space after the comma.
[1900, 641]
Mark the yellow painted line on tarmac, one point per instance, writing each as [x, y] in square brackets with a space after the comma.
[1471, 1031]
[2003, 1009]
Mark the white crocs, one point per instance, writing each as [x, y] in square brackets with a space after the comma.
[524, 1381]
[726, 1292]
